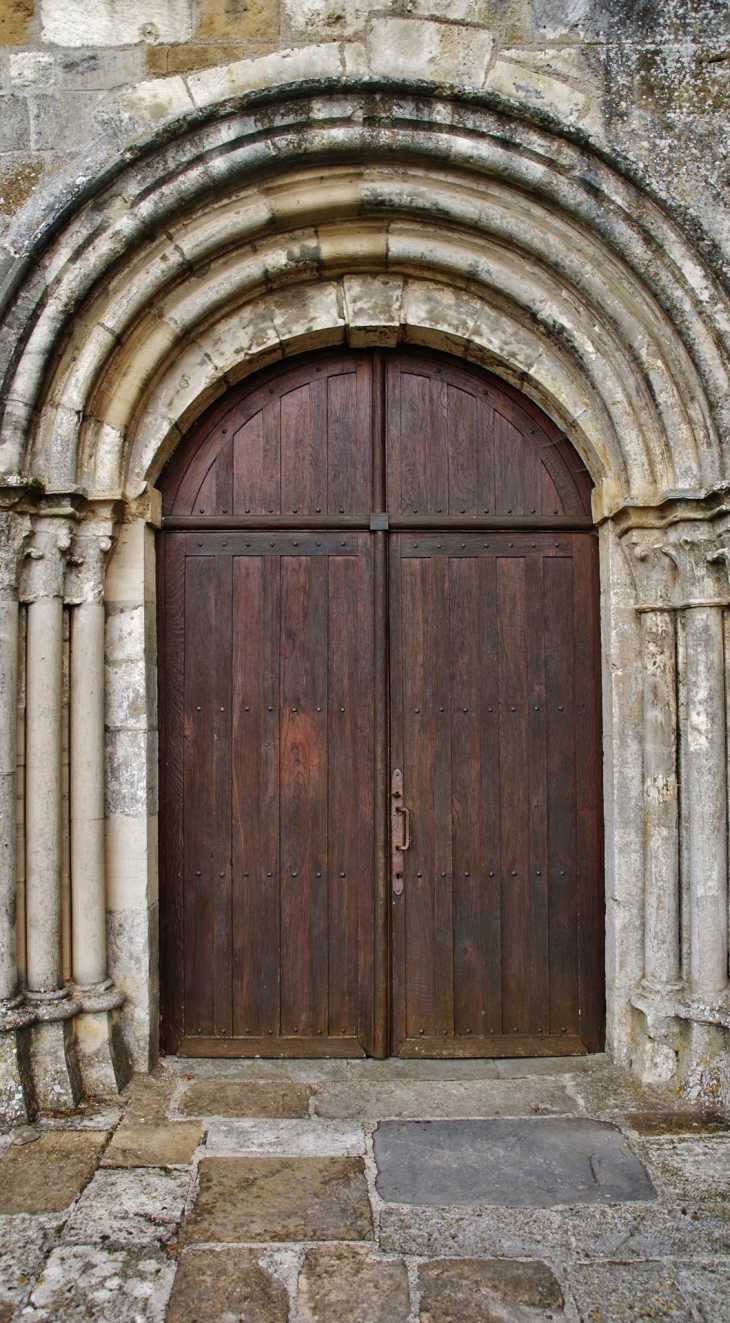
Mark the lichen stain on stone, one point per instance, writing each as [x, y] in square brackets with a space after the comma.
[18, 178]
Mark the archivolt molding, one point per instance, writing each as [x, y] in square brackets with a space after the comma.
[272, 231]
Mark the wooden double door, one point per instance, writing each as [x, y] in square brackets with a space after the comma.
[379, 683]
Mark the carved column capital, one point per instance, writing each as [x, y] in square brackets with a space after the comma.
[701, 566]
[654, 571]
[15, 530]
[87, 562]
[44, 565]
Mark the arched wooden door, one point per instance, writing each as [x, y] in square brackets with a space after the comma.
[379, 666]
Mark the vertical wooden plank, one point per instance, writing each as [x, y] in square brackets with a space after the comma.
[299, 890]
[393, 445]
[485, 457]
[224, 479]
[417, 612]
[462, 450]
[533, 471]
[248, 467]
[537, 772]
[252, 935]
[366, 677]
[397, 759]
[317, 498]
[375, 1004]
[515, 805]
[370, 424]
[437, 501]
[199, 798]
[563, 907]
[345, 840]
[414, 437]
[172, 711]
[440, 722]
[588, 788]
[295, 449]
[551, 502]
[222, 644]
[270, 759]
[468, 943]
[490, 839]
[271, 457]
[508, 467]
[204, 503]
[342, 456]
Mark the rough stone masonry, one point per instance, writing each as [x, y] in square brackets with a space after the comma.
[191, 189]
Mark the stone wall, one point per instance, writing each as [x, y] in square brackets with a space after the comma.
[649, 78]
[191, 190]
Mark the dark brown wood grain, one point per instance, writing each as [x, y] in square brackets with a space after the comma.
[306, 652]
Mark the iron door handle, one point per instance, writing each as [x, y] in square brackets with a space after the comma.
[401, 808]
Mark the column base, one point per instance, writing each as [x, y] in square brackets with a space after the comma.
[102, 1053]
[17, 1098]
[657, 1061]
[54, 1063]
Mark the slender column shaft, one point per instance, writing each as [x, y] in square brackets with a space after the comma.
[706, 800]
[8, 739]
[661, 860]
[43, 794]
[88, 898]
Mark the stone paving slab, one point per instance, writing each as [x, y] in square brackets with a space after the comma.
[218, 1285]
[25, 1243]
[150, 1145]
[626, 1231]
[97, 1285]
[280, 1199]
[538, 1163]
[125, 1208]
[706, 1286]
[629, 1293]
[678, 1123]
[694, 1169]
[433, 1100]
[47, 1175]
[233, 1098]
[295, 1139]
[488, 1291]
[350, 1285]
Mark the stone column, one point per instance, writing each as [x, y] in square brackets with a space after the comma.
[55, 1068]
[16, 1097]
[100, 1045]
[703, 595]
[654, 575]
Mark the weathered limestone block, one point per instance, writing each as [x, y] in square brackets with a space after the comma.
[253, 21]
[373, 310]
[57, 1082]
[106, 23]
[417, 48]
[101, 1050]
[17, 1101]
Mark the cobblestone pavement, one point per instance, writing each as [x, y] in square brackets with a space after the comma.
[260, 1192]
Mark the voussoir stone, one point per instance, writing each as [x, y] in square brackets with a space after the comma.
[217, 1285]
[230, 1098]
[485, 1290]
[245, 1199]
[47, 1175]
[348, 1284]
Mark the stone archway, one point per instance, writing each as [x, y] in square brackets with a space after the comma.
[254, 235]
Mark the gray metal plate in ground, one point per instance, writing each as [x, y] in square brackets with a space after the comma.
[514, 1164]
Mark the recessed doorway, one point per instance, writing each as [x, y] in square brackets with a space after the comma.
[380, 720]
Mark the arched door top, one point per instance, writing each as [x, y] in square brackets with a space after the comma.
[297, 442]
